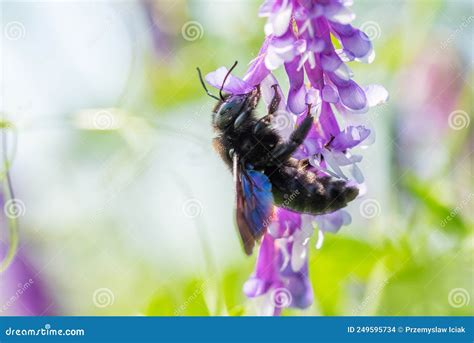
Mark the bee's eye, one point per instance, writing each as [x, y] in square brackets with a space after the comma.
[225, 112]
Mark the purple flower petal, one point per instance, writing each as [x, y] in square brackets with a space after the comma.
[316, 45]
[358, 44]
[257, 70]
[349, 138]
[300, 289]
[285, 223]
[279, 20]
[315, 75]
[337, 12]
[376, 95]
[328, 121]
[265, 272]
[233, 85]
[268, 92]
[283, 49]
[338, 80]
[312, 97]
[267, 8]
[255, 287]
[341, 29]
[332, 222]
[330, 61]
[297, 91]
[352, 96]
[329, 94]
[313, 144]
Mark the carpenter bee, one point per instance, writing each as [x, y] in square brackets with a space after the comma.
[265, 173]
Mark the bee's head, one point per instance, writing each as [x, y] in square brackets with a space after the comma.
[230, 109]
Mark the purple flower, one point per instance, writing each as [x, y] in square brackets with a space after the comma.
[281, 273]
[299, 38]
[23, 291]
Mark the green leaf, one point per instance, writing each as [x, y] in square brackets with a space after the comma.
[447, 218]
[340, 262]
[438, 286]
[175, 300]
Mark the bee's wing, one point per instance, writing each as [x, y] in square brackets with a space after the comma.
[254, 204]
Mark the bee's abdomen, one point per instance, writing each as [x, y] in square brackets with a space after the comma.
[301, 190]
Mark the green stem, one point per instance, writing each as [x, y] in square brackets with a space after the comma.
[12, 220]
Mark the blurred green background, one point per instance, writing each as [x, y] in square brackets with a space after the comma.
[124, 208]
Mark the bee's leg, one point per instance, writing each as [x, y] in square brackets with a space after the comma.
[272, 108]
[303, 163]
[242, 118]
[284, 150]
[253, 100]
[255, 97]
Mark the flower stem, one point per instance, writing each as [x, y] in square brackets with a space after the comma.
[10, 195]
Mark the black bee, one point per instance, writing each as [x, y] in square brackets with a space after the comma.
[263, 169]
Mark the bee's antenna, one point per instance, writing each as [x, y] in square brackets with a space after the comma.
[225, 79]
[204, 85]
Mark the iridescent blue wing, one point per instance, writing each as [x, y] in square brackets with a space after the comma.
[254, 204]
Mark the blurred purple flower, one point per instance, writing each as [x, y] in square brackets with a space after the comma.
[299, 37]
[22, 290]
